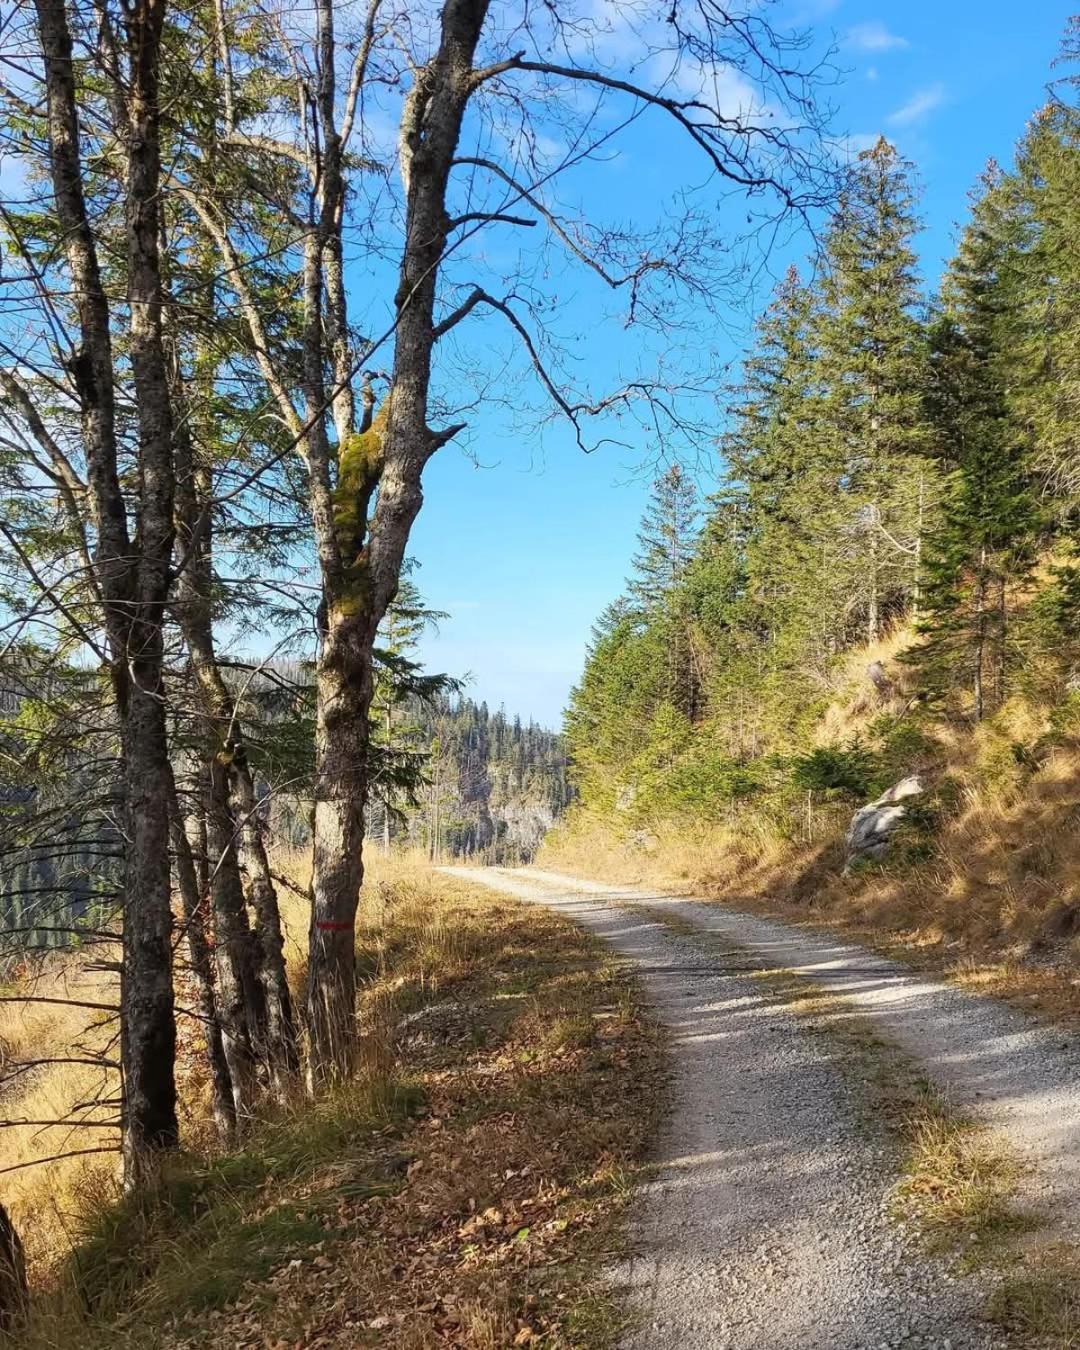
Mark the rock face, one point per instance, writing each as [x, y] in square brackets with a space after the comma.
[13, 1292]
[872, 826]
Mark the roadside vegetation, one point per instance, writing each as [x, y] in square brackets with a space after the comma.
[466, 1189]
[882, 590]
[979, 884]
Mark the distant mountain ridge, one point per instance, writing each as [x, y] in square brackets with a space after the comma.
[495, 785]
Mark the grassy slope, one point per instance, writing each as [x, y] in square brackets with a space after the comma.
[988, 893]
[466, 1191]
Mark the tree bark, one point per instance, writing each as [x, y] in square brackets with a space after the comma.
[282, 1051]
[149, 1029]
[364, 578]
[256, 1005]
[131, 576]
[202, 969]
[980, 637]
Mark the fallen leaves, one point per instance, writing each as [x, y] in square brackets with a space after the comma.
[502, 1197]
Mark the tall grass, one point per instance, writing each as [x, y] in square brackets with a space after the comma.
[42, 1198]
[47, 1201]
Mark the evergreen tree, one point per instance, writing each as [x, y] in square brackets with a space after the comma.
[873, 370]
[666, 538]
[881, 468]
[612, 707]
[986, 543]
[1046, 356]
[778, 452]
[398, 752]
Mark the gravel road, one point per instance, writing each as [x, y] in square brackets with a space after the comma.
[765, 1226]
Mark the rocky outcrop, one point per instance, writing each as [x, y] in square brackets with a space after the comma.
[872, 826]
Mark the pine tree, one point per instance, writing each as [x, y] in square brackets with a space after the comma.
[778, 452]
[666, 538]
[1046, 384]
[873, 369]
[986, 543]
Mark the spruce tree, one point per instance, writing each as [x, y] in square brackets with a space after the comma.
[665, 539]
[985, 545]
[397, 757]
[791, 478]
[873, 369]
[1046, 385]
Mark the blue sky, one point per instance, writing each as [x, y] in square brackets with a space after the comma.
[523, 539]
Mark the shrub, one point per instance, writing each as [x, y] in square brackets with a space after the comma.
[850, 770]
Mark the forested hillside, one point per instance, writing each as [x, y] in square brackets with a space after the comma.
[492, 786]
[447, 774]
[885, 582]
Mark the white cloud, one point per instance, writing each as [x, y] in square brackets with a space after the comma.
[871, 73]
[722, 87]
[919, 105]
[873, 37]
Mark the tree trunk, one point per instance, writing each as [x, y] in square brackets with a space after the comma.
[916, 589]
[147, 989]
[390, 747]
[131, 576]
[282, 1052]
[363, 578]
[872, 609]
[202, 969]
[344, 686]
[1000, 673]
[980, 636]
[256, 1012]
[240, 1006]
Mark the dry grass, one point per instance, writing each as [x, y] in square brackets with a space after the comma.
[45, 1201]
[42, 1199]
[1039, 1299]
[993, 897]
[463, 1192]
[959, 1182]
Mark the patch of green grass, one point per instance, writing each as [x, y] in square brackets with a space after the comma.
[601, 1319]
[198, 1276]
[959, 1183]
[571, 1031]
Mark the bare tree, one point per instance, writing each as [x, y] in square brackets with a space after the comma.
[535, 95]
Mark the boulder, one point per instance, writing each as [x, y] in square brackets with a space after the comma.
[871, 826]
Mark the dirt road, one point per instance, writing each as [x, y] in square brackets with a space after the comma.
[767, 1224]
